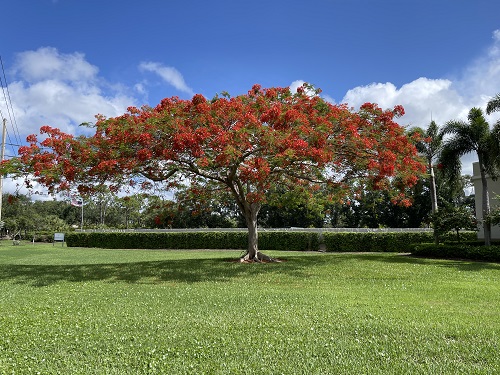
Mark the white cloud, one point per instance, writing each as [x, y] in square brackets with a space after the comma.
[139, 87]
[422, 99]
[481, 79]
[298, 83]
[17, 186]
[169, 74]
[295, 85]
[439, 99]
[60, 90]
[47, 63]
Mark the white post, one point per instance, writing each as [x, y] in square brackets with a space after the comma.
[2, 156]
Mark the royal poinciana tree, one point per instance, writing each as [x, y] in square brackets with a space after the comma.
[244, 145]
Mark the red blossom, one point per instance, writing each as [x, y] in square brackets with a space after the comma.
[245, 144]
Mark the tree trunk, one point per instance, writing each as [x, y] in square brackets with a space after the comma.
[433, 199]
[253, 235]
[253, 254]
[433, 190]
[486, 205]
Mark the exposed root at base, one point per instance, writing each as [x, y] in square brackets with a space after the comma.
[258, 258]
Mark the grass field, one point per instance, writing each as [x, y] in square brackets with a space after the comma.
[89, 311]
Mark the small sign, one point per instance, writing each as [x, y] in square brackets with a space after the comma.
[59, 237]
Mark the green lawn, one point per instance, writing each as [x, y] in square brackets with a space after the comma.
[87, 311]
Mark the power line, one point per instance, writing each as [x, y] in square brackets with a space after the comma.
[10, 110]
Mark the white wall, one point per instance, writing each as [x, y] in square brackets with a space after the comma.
[494, 190]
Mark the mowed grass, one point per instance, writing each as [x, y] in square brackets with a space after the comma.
[91, 311]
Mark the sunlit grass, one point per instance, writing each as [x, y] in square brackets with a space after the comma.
[91, 311]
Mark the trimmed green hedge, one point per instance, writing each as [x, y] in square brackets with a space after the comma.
[381, 241]
[460, 251]
[370, 241]
[272, 240]
[295, 241]
[157, 240]
[292, 241]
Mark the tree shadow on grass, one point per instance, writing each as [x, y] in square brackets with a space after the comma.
[204, 270]
[178, 271]
[460, 264]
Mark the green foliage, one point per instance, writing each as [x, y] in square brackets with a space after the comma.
[294, 241]
[452, 218]
[379, 242]
[291, 241]
[370, 241]
[271, 240]
[157, 240]
[494, 216]
[458, 250]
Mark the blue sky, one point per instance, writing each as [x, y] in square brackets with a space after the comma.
[67, 60]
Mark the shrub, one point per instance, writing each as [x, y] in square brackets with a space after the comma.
[292, 241]
[158, 240]
[272, 240]
[373, 242]
[458, 250]
[194, 240]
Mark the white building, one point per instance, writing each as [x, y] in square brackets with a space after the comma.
[494, 190]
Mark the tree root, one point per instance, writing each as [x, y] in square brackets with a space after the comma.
[258, 258]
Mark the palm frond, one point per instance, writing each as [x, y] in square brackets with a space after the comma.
[494, 104]
[449, 161]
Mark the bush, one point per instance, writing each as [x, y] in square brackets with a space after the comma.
[458, 250]
[291, 241]
[401, 242]
[158, 240]
[373, 242]
[194, 240]
[272, 240]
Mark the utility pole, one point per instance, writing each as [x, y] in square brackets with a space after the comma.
[2, 156]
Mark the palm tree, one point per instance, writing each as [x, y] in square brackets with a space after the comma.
[429, 146]
[473, 136]
[493, 105]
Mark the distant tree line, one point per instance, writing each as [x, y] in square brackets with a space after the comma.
[25, 216]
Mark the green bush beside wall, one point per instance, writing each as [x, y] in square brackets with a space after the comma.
[157, 240]
[373, 241]
[383, 241]
[295, 241]
[458, 251]
[292, 241]
[268, 240]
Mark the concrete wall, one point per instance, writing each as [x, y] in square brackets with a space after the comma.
[494, 190]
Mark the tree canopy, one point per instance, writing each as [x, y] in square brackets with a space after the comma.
[244, 145]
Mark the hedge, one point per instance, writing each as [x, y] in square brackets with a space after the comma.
[157, 240]
[458, 251]
[294, 241]
[273, 240]
[381, 241]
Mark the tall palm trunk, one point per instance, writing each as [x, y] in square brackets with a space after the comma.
[486, 203]
[433, 190]
[433, 198]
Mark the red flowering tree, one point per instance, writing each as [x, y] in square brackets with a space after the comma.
[244, 145]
